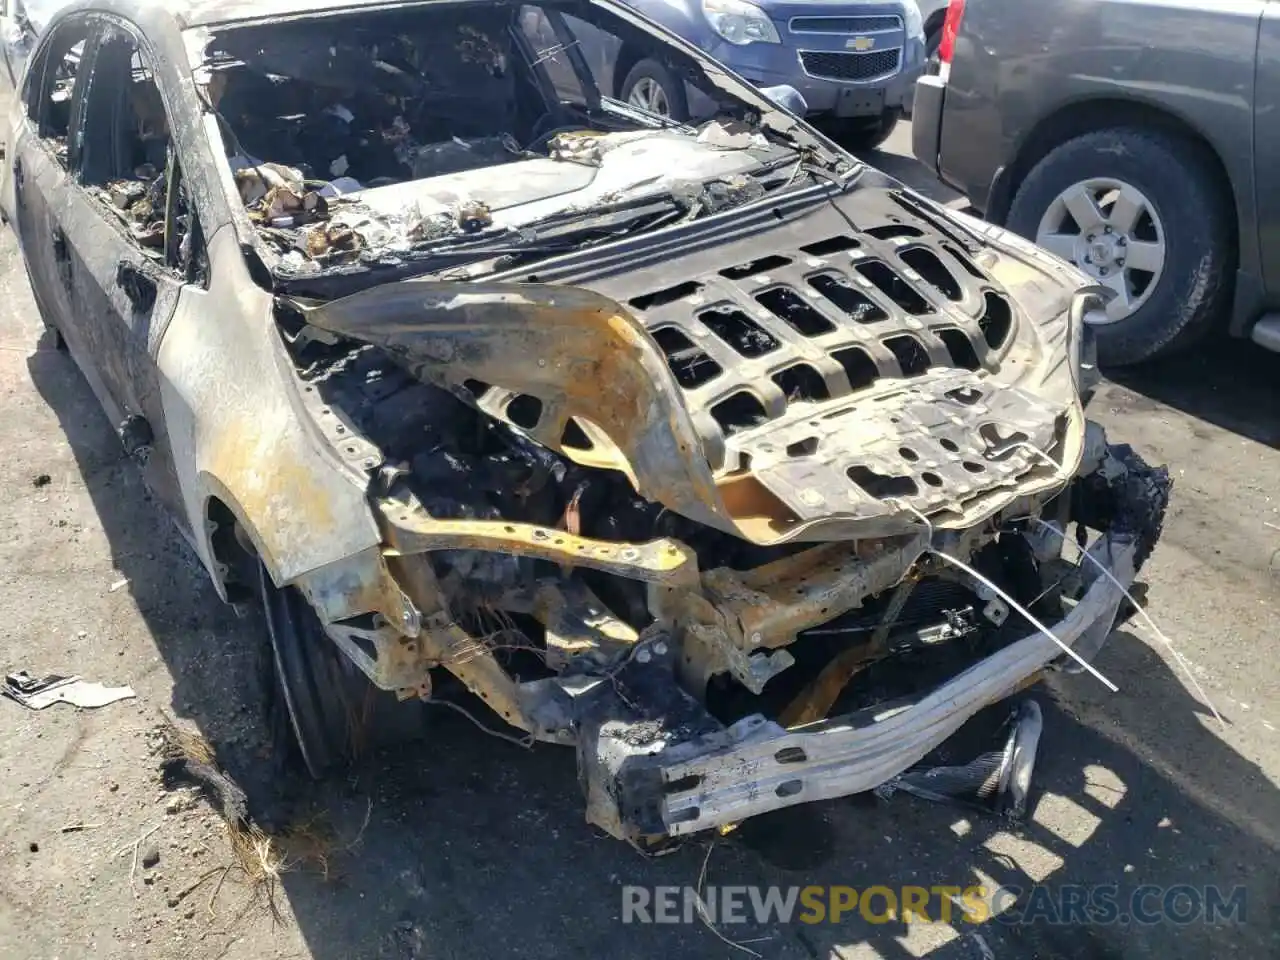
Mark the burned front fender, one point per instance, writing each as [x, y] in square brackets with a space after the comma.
[241, 438]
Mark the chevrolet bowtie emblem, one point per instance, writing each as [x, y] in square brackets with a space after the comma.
[861, 44]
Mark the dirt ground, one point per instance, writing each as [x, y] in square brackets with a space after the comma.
[474, 847]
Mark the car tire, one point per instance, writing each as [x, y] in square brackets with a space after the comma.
[862, 136]
[335, 715]
[650, 82]
[1192, 290]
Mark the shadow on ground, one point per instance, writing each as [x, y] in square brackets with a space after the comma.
[909, 170]
[475, 847]
[1229, 383]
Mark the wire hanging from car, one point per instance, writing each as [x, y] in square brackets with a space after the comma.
[1138, 608]
[1142, 613]
[526, 742]
[820, 174]
[1006, 597]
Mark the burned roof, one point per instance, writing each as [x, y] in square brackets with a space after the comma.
[204, 13]
[199, 13]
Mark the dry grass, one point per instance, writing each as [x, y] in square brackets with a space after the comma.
[189, 744]
[260, 860]
[257, 859]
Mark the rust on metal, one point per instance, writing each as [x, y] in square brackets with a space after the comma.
[661, 561]
[770, 605]
[816, 700]
[580, 354]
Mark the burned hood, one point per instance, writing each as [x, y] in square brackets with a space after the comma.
[838, 387]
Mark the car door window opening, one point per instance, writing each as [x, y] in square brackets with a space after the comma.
[128, 158]
[52, 86]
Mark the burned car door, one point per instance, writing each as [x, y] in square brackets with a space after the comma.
[123, 226]
[44, 127]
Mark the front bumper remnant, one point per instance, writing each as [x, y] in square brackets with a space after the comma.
[667, 772]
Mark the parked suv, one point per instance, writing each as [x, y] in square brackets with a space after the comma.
[1126, 138]
[853, 61]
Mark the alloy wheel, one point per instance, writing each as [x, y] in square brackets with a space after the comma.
[1111, 231]
[647, 94]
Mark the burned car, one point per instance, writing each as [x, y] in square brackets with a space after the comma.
[708, 452]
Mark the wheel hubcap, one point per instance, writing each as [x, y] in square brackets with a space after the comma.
[648, 94]
[1111, 231]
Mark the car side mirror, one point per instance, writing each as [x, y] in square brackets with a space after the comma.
[787, 97]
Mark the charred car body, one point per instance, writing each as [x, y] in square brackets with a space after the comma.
[662, 440]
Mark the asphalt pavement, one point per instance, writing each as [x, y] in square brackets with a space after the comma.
[474, 847]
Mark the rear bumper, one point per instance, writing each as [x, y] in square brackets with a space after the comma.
[641, 785]
[926, 121]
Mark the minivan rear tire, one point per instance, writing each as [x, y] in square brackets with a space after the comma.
[1194, 288]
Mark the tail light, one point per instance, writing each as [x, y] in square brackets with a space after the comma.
[950, 29]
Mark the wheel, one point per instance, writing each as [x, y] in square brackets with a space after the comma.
[335, 714]
[650, 86]
[1140, 212]
[861, 136]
